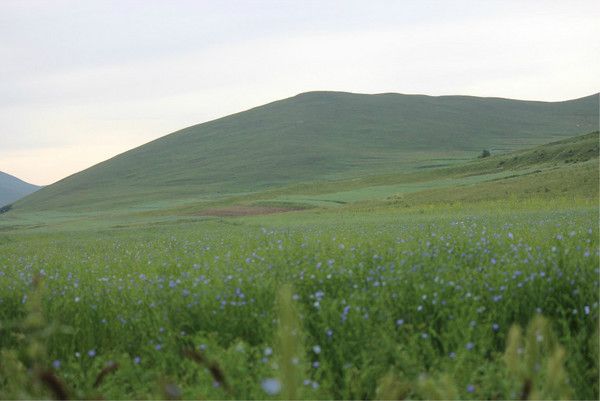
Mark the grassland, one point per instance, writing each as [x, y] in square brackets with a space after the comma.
[477, 280]
[386, 303]
[317, 136]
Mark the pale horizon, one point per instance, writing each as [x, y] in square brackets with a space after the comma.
[85, 81]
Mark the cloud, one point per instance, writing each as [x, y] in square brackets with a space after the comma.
[104, 77]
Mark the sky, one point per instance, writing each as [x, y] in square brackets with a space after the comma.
[83, 80]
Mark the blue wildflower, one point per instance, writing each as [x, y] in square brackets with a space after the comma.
[271, 386]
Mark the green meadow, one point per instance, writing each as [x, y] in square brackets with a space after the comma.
[482, 302]
[473, 280]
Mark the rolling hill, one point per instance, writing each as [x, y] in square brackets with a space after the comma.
[315, 136]
[563, 169]
[12, 189]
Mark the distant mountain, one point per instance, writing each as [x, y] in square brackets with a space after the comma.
[12, 189]
[315, 136]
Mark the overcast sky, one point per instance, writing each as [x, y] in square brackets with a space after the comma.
[81, 81]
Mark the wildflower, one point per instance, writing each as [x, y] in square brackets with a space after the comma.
[495, 327]
[271, 386]
[92, 353]
[268, 351]
[345, 313]
[56, 364]
[586, 309]
[317, 349]
[470, 388]
[399, 322]
[315, 364]
[137, 360]
[469, 346]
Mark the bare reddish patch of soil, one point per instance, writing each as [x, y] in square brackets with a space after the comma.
[241, 210]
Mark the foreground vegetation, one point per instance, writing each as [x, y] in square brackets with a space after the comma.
[478, 280]
[386, 303]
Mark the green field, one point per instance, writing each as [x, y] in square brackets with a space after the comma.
[385, 303]
[477, 280]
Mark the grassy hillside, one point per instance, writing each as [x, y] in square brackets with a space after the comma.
[560, 173]
[565, 169]
[311, 137]
[12, 188]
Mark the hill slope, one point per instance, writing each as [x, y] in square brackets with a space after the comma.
[566, 168]
[315, 136]
[12, 188]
